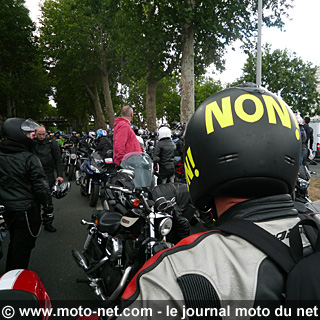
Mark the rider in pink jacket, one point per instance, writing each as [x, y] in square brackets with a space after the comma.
[124, 138]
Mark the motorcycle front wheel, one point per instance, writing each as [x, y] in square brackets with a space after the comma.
[71, 171]
[94, 196]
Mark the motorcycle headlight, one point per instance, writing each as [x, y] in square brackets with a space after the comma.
[95, 169]
[303, 184]
[73, 156]
[165, 226]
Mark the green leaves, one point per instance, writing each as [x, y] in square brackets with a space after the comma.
[288, 75]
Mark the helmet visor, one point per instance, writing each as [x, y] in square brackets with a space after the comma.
[29, 125]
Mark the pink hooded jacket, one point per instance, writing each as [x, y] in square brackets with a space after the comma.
[124, 139]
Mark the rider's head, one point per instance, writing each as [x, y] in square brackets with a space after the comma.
[20, 130]
[242, 142]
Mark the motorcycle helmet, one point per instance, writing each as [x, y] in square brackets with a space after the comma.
[101, 133]
[92, 134]
[164, 132]
[59, 190]
[242, 142]
[16, 129]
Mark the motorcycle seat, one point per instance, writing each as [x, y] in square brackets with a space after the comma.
[109, 222]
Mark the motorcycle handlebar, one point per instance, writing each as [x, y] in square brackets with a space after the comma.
[118, 188]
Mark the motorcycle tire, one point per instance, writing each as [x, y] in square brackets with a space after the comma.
[94, 196]
[71, 172]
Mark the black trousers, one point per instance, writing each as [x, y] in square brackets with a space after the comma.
[23, 228]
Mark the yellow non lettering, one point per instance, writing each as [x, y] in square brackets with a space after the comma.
[188, 171]
[238, 107]
[224, 116]
[281, 110]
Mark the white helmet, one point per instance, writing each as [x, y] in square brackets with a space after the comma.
[164, 132]
[92, 134]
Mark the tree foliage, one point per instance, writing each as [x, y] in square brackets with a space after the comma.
[24, 86]
[77, 38]
[287, 75]
[204, 88]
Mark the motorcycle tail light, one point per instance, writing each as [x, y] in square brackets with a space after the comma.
[318, 146]
[135, 202]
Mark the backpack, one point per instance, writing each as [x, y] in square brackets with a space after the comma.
[303, 273]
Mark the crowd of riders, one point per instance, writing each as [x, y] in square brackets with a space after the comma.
[164, 146]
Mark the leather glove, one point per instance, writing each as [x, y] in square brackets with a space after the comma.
[47, 215]
[47, 218]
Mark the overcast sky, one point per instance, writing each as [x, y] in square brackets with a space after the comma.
[301, 35]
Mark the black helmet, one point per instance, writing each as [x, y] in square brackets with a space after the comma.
[241, 142]
[16, 129]
[59, 190]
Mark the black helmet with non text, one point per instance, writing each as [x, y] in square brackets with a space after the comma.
[241, 142]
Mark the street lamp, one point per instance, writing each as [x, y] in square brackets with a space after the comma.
[258, 75]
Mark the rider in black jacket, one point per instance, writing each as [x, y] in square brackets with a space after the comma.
[164, 155]
[103, 142]
[48, 151]
[23, 187]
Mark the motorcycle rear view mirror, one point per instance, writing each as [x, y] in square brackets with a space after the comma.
[127, 172]
[2, 209]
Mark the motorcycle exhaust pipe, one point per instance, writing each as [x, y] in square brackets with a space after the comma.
[80, 260]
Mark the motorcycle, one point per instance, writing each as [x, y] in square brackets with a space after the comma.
[69, 159]
[119, 242]
[94, 171]
[302, 185]
[179, 169]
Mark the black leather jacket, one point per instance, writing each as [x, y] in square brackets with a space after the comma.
[104, 145]
[164, 155]
[49, 154]
[22, 179]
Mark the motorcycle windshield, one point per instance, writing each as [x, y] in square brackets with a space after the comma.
[97, 160]
[142, 166]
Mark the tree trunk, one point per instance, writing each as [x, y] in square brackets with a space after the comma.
[151, 102]
[100, 121]
[107, 95]
[187, 71]
[11, 108]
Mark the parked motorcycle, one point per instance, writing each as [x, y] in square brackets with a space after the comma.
[302, 185]
[69, 159]
[94, 171]
[119, 242]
